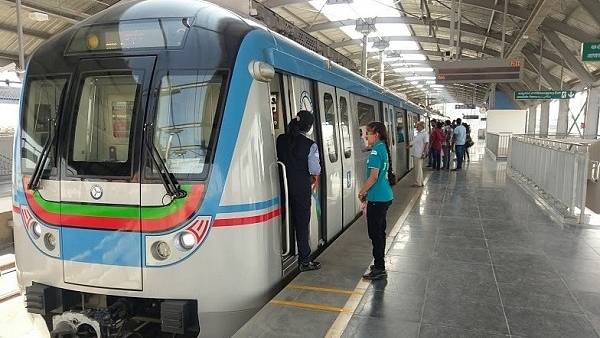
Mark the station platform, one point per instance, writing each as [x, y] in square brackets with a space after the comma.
[472, 254]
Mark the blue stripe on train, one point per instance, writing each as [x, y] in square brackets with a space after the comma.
[101, 247]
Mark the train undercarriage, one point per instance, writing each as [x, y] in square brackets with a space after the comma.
[72, 314]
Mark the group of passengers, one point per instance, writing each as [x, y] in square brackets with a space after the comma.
[446, 138]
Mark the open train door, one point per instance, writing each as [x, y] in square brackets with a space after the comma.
[100, 185]
[331, 161]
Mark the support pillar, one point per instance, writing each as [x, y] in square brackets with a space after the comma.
[544, 119]
[591, 113]
[531, 112]
[562, 124]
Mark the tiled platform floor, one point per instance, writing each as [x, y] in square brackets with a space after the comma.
[474, 257]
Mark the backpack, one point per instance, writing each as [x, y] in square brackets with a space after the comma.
[448, 133]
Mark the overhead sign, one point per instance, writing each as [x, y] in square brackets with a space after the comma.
[464, 106]
[590, 51]
[479, 71]
[545, 95]
[471, 117]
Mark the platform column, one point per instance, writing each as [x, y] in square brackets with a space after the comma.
[544, 119]
[563, 118]
[531, 112]
[591, 113]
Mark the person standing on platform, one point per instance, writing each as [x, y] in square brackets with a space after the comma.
[458, 140]
[418, 150]
[432, 125]
[300, 156]
[377, 193]
[447, 145]
[435, 144]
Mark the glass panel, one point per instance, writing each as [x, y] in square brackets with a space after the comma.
[366, 115]
[185, 117]
[329, 135]
[39, 109]
[346, 141]
[103, 128]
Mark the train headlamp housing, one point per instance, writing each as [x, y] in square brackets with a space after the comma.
[36, 230]
[50, 241]
[185, 240]
[161, 250]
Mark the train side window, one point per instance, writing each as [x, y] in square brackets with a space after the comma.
[345, 125]
[40, 106]
[185, 117]
[366, 114]
[329, 134]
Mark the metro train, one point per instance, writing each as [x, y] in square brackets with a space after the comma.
[147, 196]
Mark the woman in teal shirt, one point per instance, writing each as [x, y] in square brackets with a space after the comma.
[377, 192]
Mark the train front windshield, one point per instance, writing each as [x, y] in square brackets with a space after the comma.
[102, 126]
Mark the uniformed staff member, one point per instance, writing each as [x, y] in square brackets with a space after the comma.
[300, 156]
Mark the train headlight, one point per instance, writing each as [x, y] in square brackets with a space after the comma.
[161, 250]
[36, 230]
[92, 41]
[185, 240]
[50, 241]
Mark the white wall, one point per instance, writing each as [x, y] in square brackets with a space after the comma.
[501, 121]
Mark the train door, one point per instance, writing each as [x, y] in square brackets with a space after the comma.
[388, 120]
[349, 200]
[100, 187]
[400, 137]
[290, 94]
[331, 162]
[412, 131]
[282, 114]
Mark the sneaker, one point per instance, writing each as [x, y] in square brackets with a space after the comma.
[309, 266]
[375, 274]
[372, 266]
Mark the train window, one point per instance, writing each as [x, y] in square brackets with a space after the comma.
[40, 106]
[345, 127]
[366, 115]
[102, 127]
[329, 134]
[185, 116]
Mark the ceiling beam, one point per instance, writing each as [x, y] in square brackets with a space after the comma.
[552, 81]
[26, 31]
[591, 7]
[73, 18]
[571, 60]
[539, 13]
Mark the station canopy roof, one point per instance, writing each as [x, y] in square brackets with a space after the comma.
[415, 36]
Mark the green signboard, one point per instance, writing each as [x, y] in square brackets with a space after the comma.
[590, 51]
[545, 95]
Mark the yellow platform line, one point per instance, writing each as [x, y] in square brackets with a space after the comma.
[307, 305]
[320, 289]
[339, 326]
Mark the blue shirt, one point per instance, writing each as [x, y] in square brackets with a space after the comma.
[461, 135]
[381, 191]
[314, 164]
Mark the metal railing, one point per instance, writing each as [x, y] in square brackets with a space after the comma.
[558, 168]
[497, 144]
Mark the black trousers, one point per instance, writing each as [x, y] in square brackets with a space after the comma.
[300, 217]
[376, 224]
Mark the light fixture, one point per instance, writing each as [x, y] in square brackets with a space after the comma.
[365, 26]
[381, 44]
[38, 16]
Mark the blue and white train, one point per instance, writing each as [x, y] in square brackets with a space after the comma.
[147, 195]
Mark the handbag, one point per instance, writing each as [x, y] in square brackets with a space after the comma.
[393, 179]
[470, 142]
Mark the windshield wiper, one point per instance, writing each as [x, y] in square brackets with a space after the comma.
[169, 181]
[36, 176]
